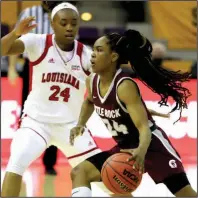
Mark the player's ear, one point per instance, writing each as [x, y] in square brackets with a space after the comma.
[114, 57]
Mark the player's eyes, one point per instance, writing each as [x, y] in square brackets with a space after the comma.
[63, 24]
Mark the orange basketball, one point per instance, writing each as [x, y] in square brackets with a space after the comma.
[119, 176]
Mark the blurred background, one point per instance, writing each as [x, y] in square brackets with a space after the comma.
[172, 29]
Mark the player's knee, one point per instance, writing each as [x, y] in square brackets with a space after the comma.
[179, 185]
[18, 162]
[78, 171]
[87, 170]
[25, 148]
[74, 173]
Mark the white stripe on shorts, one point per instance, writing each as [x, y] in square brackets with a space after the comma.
[166, 144]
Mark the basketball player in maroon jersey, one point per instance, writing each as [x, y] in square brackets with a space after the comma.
[117, 100]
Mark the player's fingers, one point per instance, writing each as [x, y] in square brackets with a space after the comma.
[81, 131]
[141, 168]
[32, 27]
[126, 151]
[28, 20]
[136, 165]
[71, 138]
[31, 18]
[133, 157]
[77, 132]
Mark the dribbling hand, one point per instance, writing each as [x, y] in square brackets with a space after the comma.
[138, 156]
[24, 26]
[74, 132]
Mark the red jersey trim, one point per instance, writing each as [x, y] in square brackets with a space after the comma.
[48, 44]
[79, 53]
[81, 154]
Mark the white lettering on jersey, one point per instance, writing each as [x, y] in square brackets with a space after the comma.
[115, 128]
[108, 113]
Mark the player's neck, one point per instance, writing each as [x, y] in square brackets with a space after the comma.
[65, 47]
[107, 77]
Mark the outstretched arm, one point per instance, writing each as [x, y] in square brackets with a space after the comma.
[86, 112]
[87, 106]
[10, 44]
[155, 113]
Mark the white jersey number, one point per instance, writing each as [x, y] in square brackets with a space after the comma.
[114, 128]
[57, 93]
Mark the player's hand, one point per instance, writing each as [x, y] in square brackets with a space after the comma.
[12, 76]
[24, 26]
[74, 132]
[138, 156]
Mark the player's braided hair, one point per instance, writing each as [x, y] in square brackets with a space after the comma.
[135, 48]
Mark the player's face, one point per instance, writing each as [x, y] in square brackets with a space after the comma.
[102, 56]
[66, 25]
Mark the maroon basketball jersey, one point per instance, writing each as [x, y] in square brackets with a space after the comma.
[114, 113]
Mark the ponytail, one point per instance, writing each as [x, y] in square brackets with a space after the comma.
[136, 49]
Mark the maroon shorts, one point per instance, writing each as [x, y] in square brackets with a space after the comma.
[162, 161]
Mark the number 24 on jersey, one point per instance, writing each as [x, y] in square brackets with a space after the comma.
[65, 94]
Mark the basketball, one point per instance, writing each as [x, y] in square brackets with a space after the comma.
[119, 176]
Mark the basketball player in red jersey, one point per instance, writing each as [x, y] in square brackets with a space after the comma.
[117, 100]
[60, 65]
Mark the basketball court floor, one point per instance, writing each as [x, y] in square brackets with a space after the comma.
[37, 184]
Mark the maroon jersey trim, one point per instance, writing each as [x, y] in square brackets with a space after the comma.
[117, 98]
[103, 99]
[150, 121]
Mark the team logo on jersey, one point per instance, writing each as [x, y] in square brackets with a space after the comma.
[60, 78]
[90, 143]
[172, 164]
[75, 67]
[51, 60]
[107, 113]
